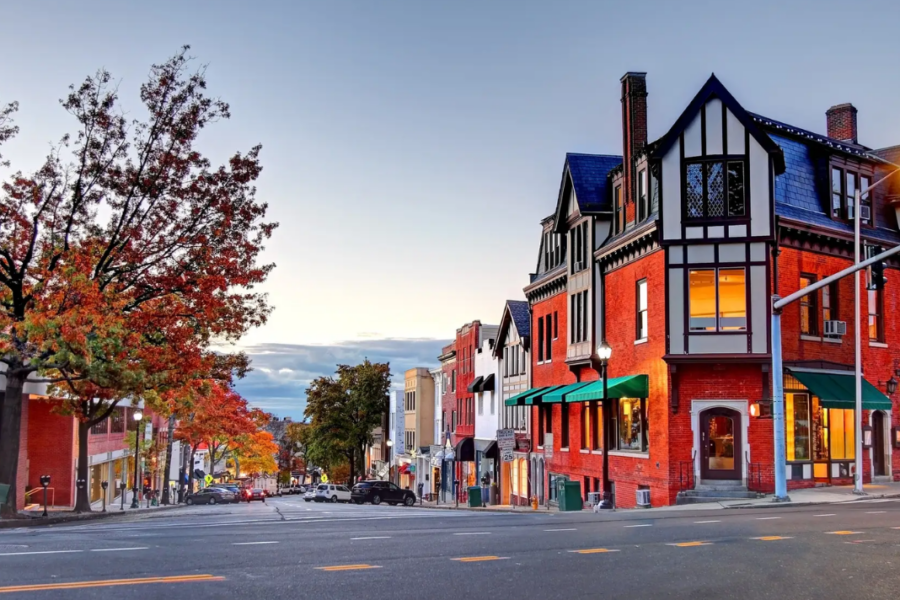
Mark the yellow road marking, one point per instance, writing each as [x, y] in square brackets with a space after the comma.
[843, 532]
[772, 538]
[107, 583]
[347, 568]
[593, 551]
[479, 558]
[690, 544]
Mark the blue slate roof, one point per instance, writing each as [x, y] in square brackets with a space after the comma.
[589, 178]
[800, 196]
[520, 316]
[776, 126]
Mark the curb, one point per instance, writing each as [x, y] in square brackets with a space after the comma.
[524, 510]
[71, 517]
[813, 503]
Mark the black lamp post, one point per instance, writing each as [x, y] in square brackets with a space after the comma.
[45, 481]
[138, 416]
[122, 487]
[105, 486]
[604, 352]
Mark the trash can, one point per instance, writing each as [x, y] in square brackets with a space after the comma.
[4, 492]
[570, 496]
[474, 496]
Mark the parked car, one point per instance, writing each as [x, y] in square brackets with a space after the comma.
[329, 492]
[377, 492]
[210, 495]
[251, 494]
[310, 494]
[231, 488]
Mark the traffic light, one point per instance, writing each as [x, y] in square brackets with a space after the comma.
[876, 270]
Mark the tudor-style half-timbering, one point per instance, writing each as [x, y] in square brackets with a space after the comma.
[718, 171]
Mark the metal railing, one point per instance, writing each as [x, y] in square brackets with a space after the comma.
[685, 475]
[754, 477]
[40, 489]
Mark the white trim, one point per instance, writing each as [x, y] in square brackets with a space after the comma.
[810, 338]
[888, 450]
[824, 371]
[877, 344]
[698, 406]
[626, 454]
[643, 340]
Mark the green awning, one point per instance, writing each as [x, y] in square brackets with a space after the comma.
[839, 391]
[519, 399]
[630, 386]
[557, 395]
[541, 394]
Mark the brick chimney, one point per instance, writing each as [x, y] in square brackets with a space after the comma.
[634, 125]
[842, 122]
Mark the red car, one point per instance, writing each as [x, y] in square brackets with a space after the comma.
[254, 494]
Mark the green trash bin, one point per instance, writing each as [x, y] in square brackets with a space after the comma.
[474, 496]
[4, 492]
[570, 496]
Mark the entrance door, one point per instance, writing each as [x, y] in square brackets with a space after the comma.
[878, 458]
[720, 444]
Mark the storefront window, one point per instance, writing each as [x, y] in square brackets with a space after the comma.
[630, 425]
[817, 433]
[797, 426]
[842, 438]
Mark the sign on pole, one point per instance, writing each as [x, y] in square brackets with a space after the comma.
[506, 443]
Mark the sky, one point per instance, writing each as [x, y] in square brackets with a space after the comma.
[411, 148]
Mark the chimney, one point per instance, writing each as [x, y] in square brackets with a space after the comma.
[634, 125]
[842, 122]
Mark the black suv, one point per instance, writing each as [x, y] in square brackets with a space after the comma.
[377, 492]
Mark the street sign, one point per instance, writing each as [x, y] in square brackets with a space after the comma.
[506, 443]
[324, 478]
[208, 479]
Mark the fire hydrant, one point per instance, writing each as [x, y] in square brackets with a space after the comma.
[534, 503]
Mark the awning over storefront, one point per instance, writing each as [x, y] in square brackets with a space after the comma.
[539, 395]
[519, 399]
[488, 384]
[560, 393]
[531, 396]
[839, 391]
[473, 387]
[629, 386]
[482, 445]
[465, 450]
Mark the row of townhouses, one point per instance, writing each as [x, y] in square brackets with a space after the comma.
[664, 260]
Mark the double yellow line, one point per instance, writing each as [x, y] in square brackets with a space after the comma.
[107, 583]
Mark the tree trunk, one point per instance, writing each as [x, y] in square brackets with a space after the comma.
[82, 495]
[191, 471]
[166, 499]
[10, 425]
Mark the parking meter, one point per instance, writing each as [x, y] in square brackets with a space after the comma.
[45, 482]
[122, 487]
[104, 485]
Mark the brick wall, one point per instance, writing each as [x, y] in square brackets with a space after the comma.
[556, 371]
[466, 345]
[52, 450]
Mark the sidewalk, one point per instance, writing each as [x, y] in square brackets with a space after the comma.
[57, 515]
[810, 496]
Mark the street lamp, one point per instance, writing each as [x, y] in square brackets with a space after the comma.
[604, 352]
[390, 447]
[138, 416]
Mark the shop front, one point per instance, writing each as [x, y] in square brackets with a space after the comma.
[466, 473]
[820, 425]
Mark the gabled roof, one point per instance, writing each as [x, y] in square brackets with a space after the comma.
[713, 88]
[515, 312]
[588, 176]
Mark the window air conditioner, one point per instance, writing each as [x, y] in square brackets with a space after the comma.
[835, 327]
[643, 497]
[865, 213]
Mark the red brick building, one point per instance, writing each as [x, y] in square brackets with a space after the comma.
[671, 253]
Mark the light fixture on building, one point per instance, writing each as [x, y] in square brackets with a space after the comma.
[754, 409]
[891, 386]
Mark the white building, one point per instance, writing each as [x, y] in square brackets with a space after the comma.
[487, 405]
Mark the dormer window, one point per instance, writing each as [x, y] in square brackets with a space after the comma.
[618, 210]
[579, 235]
[844, 183]
[715, 189]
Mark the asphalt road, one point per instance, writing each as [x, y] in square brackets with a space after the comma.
[291, 549]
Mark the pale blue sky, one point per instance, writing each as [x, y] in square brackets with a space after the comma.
[410, 148]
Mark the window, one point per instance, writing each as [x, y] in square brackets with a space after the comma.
[628, 429]
[117, 421]
[506, 361]
[809, 313]
[797, 424]
[619, 210]
[579, 320]
[840, 425]
[598, 426]
[564, 425]
[555, 325]
[844, 184]
[453, 380]
[454, 421]
[642, 203]
[830, 304]
[548, 353]
[100, 428]
[641, 305]
[865, 200]
[836, 192]
[718, 300]
[579, 237]
[715, 189]
[480, 404]
[876, 315]
[850, 191]
[587, 431]
[584, 320]
[540, 344]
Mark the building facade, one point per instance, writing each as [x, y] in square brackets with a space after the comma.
[487, 409]
[449, 418]
[418, 406]
[670, 253]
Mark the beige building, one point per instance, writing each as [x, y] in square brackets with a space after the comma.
[418, 413]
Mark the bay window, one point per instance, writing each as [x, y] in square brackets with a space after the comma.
[717, 299]
[715, 189]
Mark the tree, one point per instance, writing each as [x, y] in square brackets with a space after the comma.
[343, 411]
[255, 453]
[131, 218]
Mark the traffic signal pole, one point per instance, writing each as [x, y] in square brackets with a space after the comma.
[778, 305]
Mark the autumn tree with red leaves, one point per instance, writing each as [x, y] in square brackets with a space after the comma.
[126, 250]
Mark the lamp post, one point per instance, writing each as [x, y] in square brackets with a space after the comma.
[390, 457]
[604, 351]
[138, 416]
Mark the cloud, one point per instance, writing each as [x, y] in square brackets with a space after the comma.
[282, 372]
